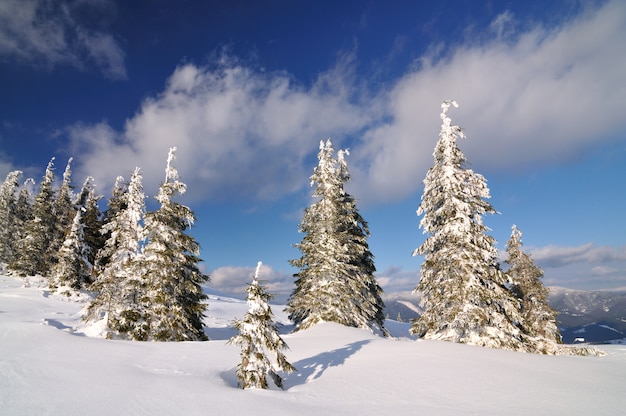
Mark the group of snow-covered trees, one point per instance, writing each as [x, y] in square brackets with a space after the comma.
[466, 296]
[53, 233]
[140, 267]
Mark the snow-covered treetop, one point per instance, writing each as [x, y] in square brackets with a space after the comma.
[68, 171]
[255, 281]
[170, 172]
[449, 134]
[49, 175]
[11, 183]
[172, 183]
[86, 192]
[119, 185]
[516, 235]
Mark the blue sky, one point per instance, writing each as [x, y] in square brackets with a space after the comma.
[246, 90]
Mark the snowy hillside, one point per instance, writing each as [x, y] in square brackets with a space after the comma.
[48, 367]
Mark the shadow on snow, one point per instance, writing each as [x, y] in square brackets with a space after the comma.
[310, 369]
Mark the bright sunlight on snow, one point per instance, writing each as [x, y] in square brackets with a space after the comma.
[49, 367]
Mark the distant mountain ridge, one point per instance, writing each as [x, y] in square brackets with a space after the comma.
[597, 316]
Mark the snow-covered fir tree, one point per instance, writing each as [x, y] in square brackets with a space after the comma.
[174, 300]
[8, 215]
[72, 271]
[33, 248]
[538, 317]
[260, 342]
[463, 290]
[116, 204]
[91, 218]
[119, 286]
[64, 213]
[336, 281]
[23, 212]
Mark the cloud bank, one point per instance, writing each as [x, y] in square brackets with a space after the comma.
[240, 133]
[528, 98]
[585, 267]
[234, 280]
[45, 33]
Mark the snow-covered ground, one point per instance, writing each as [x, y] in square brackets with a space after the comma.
[48, 367]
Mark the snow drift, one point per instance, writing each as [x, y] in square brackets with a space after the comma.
[48, 367]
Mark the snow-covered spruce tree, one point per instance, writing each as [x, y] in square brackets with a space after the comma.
[23, 212]
[8, 208]
[115, 205]
[73, 269]
[260, 342]
[174, 300]
[91, 218]
[119, 285]
[336, 279]
[463, 289]
[538, 318]
[32, 248]
[64, 213]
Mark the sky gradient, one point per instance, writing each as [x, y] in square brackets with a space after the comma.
[246, 90]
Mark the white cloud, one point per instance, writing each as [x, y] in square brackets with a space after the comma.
[582, 267]
[46, 33]
[585, 267]
[536, 97]
[106, 53]
[554, 256]
[395, 279]
[240, 133]
[540, 97]
[234, 280]
[603, 270]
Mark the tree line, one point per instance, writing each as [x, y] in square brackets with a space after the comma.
[142, 267]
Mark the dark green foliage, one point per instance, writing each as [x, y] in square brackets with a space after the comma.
[336, 281]
[464, 293]
[174, 298]
[73, 268]
[91, 218]
[538, 318]
[33, 248]
[116, 204]
[64, 212]
[119, 288]
[9, 221]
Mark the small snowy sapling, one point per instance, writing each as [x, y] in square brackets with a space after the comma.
[259, 340]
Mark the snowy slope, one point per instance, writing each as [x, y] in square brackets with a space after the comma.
[46, 368]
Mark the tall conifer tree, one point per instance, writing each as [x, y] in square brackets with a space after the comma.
[32, 248]
[336, 279]
[91, 218]
[463, 289]
[116, 204]
[73, 268]
[23, 213]
[8, 216]
[174, 301]
[64, 213]
[119, 286]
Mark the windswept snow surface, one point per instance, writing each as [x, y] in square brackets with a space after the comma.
[48, 367]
